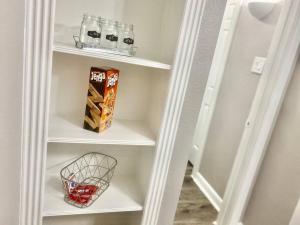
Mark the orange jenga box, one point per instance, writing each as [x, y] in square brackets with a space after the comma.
[101, 98]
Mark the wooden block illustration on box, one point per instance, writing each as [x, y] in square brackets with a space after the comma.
[101, 98]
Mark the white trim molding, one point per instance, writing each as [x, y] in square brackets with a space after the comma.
[207, 190]
[263, 114]
[179, 80]
[36, 89]
[227, 30]
[215, 223]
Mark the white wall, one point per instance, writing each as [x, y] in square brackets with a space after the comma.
[204, 53]
[11, 44]
[277, 188]
[252, 38]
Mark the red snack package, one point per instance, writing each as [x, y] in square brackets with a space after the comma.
[86, 189]
[81, 199]
[82, 194]
[70, 184]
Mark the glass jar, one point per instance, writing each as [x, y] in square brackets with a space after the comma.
[126, 38]
[109, 37]
[90, 31]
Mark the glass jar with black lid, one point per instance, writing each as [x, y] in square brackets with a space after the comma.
[126, 38]
[90, 31]
[109, 37]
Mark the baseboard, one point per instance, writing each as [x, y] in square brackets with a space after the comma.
[215, 223]
[208, 191]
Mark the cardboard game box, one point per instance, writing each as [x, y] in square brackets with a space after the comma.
[101, 98]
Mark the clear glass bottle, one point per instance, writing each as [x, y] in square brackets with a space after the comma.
[109, 37]
[126, 38]
[90, 31]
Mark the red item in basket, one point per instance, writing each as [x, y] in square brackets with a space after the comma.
[82, 194]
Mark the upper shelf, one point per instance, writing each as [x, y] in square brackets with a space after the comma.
[122, 132]
[70, 49]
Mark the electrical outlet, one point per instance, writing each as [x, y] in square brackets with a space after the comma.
[258, 65]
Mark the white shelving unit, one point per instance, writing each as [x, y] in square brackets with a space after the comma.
[140, 104]
[149, 100]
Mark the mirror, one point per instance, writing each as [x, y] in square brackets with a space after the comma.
[242, 50]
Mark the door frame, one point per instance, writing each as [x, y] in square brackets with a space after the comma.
[282, 57]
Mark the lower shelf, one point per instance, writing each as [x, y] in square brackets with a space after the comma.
[122, 196]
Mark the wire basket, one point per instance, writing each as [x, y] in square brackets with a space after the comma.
[86, 178]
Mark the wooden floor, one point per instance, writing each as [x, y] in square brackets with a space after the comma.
[193, 207]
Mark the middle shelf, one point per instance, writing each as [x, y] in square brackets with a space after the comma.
[122, 132]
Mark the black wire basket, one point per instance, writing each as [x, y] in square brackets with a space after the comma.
[86, 178]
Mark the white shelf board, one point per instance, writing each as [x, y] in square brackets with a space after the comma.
[70, 49]
[122, 195]
[122, 132]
